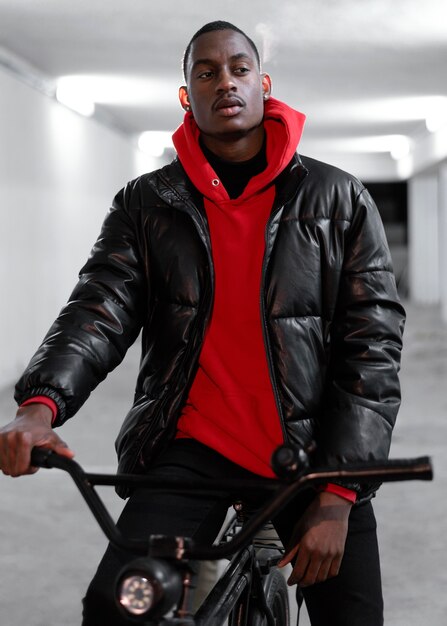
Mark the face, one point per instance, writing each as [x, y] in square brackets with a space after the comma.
[226, 90]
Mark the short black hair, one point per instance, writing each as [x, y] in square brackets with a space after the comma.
[211, 27]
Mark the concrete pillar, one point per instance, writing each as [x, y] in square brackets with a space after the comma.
[443, 238]
[423, 239]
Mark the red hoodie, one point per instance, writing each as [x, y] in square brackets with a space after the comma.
[231, 405]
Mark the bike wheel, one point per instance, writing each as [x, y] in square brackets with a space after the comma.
[277, 597]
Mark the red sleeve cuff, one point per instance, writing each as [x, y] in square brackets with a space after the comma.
[347, 494]
[43, 400]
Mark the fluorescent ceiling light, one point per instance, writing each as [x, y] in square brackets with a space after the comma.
[123, 90]
[76, 99]
[154, 142]
[403, 109]
[400, 147]
[395, 144]
[437, 116]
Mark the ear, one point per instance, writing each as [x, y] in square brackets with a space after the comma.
[266, 83]
[183, 97]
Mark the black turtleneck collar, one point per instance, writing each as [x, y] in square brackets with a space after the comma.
[235, 175]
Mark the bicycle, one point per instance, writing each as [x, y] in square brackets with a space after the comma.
[156, 588]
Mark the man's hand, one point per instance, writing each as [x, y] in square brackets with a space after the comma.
[318, 540]
[31, 427]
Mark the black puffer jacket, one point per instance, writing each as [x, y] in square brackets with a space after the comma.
[332, 317]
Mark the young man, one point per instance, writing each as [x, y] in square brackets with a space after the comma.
[264, 288]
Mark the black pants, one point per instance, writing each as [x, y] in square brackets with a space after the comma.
[353, 598]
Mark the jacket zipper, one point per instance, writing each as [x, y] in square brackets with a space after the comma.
[267, 346]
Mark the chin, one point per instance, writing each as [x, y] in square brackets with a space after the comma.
[236, 131]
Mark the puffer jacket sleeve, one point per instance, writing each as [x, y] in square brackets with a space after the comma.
[366, 338]
[101, 320]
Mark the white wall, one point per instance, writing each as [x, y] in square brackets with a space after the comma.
[368, 167]
[442, 198]
[58, 174]
[427, 228]
[423, 239]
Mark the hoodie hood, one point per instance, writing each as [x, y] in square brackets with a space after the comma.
[283, 126]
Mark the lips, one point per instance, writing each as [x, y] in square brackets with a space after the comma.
[228, 106]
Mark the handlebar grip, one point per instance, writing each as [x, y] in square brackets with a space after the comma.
[41, 457]
[420, 468]
[44, 457]
[385, 471]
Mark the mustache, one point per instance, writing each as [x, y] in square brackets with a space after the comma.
[227, 101]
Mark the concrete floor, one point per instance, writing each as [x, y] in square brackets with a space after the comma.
[49, 543]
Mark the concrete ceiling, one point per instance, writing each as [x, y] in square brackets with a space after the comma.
[357, 68]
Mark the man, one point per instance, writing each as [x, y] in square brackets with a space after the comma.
[264, 289]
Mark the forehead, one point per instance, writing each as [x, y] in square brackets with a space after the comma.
[218, 46]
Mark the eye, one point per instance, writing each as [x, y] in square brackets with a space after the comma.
[241, 70]
[204, 75]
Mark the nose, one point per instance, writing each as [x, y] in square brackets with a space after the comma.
[226, 82]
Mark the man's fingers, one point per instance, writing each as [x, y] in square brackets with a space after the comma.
[289, 556]
[300, 568]
[63, 449]
[335, 567]
[312, 565]
[19, 444]
[55, 443]
[317, 572]
[313, 570]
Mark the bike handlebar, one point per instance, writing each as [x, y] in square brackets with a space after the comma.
[390, 470]
[375, 471]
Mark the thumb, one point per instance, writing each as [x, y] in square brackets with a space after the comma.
[60, 447]
[288, 557]
[55, 443]
[63, 449]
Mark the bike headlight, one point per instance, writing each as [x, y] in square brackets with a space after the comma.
[148, 588]
[136, 594]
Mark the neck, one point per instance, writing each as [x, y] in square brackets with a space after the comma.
[236, 148]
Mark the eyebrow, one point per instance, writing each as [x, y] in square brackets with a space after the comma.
[234, 57]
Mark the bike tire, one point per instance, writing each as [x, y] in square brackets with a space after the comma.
[277, 598]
